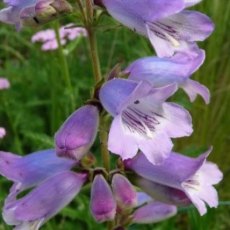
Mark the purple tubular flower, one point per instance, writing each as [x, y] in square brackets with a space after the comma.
[43, 202]
[153, 212]
[102, 203]
[142, 119]
[77, 134]
[177, 69]
[124, 192]
[32, 169]
[195, 177]
[168, 28]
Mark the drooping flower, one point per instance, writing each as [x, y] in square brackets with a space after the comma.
[195, 177]
[142, 119]
[77, 134]
[32, 169]
[43, 202]
[168, 27]
[32, 12]
[176, 69]
[46, 173]
[66, 33]
[102, 203]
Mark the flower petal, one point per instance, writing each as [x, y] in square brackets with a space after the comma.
[146, 10]
[157, 149]
[178, 31]
[120, 143]
[194, 88]
[37, 207]
[114, 92]
[33, 168]
[178, 120]
[189, 3]
[163, 71]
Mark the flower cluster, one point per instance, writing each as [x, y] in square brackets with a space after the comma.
[150, 180]
[4, 84]
[66, 33]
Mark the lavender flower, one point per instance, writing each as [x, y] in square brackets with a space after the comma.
[43, 202]
[46, 172]
[77, 134]
[66, 33]
[142, 119]
[32, 12]
[32, 169]
[194, 177]
[102, 203]
[168, 27]
[177, 69]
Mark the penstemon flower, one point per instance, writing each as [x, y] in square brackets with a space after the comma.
[168, 27]
[195, 177]
[142, 119]
[34, 209]
[176, 69]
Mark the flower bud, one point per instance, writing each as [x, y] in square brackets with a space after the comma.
[46, 11]
[154, 212]
[102, 203]
[124, 192]
[77, 134]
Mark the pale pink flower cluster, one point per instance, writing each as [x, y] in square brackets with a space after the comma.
[66, 33]
[4, 84]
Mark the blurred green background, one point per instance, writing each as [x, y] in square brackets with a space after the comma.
[38, 102]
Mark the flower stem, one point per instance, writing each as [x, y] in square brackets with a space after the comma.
[103, 134]
[94, 54]
[65, 68]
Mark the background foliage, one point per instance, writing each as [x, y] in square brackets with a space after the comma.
[38, 102]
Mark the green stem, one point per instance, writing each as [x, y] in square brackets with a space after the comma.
[94, 54]
[65, 68]
[103, 135]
